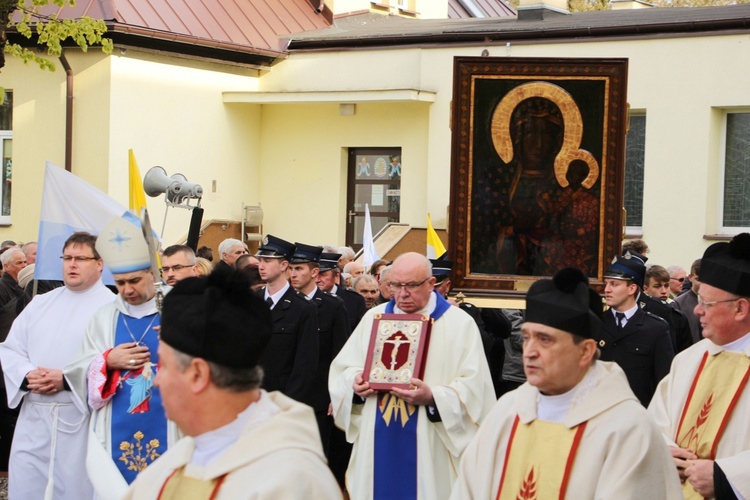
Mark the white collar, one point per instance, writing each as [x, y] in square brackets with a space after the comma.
[628, 314]
[141, 310]
[555, 408]
[431, 304]
[276, 297]
[212, 444]
[742, 344]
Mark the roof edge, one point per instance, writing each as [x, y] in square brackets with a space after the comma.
[535, 31]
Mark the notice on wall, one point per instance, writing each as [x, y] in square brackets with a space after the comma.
[377, 195]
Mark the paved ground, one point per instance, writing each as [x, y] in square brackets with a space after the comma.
[3, 488]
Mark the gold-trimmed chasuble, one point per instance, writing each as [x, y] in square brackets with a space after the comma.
[538, 460]
[708, 410]
[178, 486]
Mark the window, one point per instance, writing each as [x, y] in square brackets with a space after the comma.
[736, 179]
[635, 153]
[6, 145]
[375, 181]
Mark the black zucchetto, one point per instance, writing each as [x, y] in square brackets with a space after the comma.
[565, 302]
[217, 318]
[727, 265]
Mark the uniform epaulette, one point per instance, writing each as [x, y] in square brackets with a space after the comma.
[655, 316]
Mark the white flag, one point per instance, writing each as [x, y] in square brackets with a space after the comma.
[369, 254]
[70, 204]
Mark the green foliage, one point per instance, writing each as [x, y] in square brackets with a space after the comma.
[51, 31]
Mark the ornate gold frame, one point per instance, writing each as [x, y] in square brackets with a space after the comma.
[591, 97]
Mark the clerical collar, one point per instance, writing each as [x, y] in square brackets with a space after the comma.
[141, 310]
[95, 286]
[276, 297]
[212, 444]
[428, 309]
[742, 344]
[555, 408]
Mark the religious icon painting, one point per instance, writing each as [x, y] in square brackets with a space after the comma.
[537, 170]
[397, 350]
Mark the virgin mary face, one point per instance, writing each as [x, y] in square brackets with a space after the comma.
[539, 143]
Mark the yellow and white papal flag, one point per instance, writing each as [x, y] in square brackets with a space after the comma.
[435, 247]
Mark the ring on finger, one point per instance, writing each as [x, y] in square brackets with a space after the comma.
[131, 362]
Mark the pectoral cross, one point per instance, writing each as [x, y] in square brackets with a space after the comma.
[396, 344]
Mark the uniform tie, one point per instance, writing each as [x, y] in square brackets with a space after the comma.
[269, 301]
[620, 318]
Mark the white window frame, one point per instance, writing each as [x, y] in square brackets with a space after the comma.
[726, 230]
[5, 134]
[636, 231]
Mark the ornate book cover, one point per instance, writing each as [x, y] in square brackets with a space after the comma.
[397, 351]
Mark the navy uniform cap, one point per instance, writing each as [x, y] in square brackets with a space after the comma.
[305, 253]
[727, 265]
[629, 267]
[441, 268]
[275, 248]
[329, 261]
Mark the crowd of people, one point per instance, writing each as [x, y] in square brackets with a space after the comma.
[252, 377]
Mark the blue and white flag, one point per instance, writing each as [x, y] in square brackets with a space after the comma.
[70, 204]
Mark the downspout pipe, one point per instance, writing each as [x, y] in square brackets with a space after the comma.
[68, 112]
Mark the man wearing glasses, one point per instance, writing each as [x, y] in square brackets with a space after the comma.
[49, 452]
[177, 263]
[703, 406]
[677, 276]
[407, 442]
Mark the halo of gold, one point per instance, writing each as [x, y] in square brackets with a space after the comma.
[572, 129]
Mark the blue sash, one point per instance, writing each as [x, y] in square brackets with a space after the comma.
[395, 456]
[139, 426]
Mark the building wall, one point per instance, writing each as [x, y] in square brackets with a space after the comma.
[683, 85]
[38, 136]
[304, 170]
[168, 110]
[292, 157]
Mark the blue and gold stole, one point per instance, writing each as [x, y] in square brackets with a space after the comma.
[138, 430]
[395, 455]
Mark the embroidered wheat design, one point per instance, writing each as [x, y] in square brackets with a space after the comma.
[528, 488]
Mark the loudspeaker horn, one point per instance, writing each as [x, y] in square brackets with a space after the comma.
[177, 188]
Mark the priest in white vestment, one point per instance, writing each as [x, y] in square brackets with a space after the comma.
[242, 441]
[435, 419]
[48, 455]
[575, 429]
[703, 406]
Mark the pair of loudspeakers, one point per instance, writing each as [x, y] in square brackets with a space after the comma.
[176, 188]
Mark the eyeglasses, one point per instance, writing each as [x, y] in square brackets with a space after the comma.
[71, 258]
[681, 280]
[706, 305]
[410, 287]
[174, 268]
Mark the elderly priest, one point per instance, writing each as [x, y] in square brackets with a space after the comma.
[242, 441]
[408, 441]
[703, 405]
[575, 429]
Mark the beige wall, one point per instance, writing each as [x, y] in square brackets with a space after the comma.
[303, 173]
[291, 157]
[38, 118]
[169, 111]
[682, 84]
